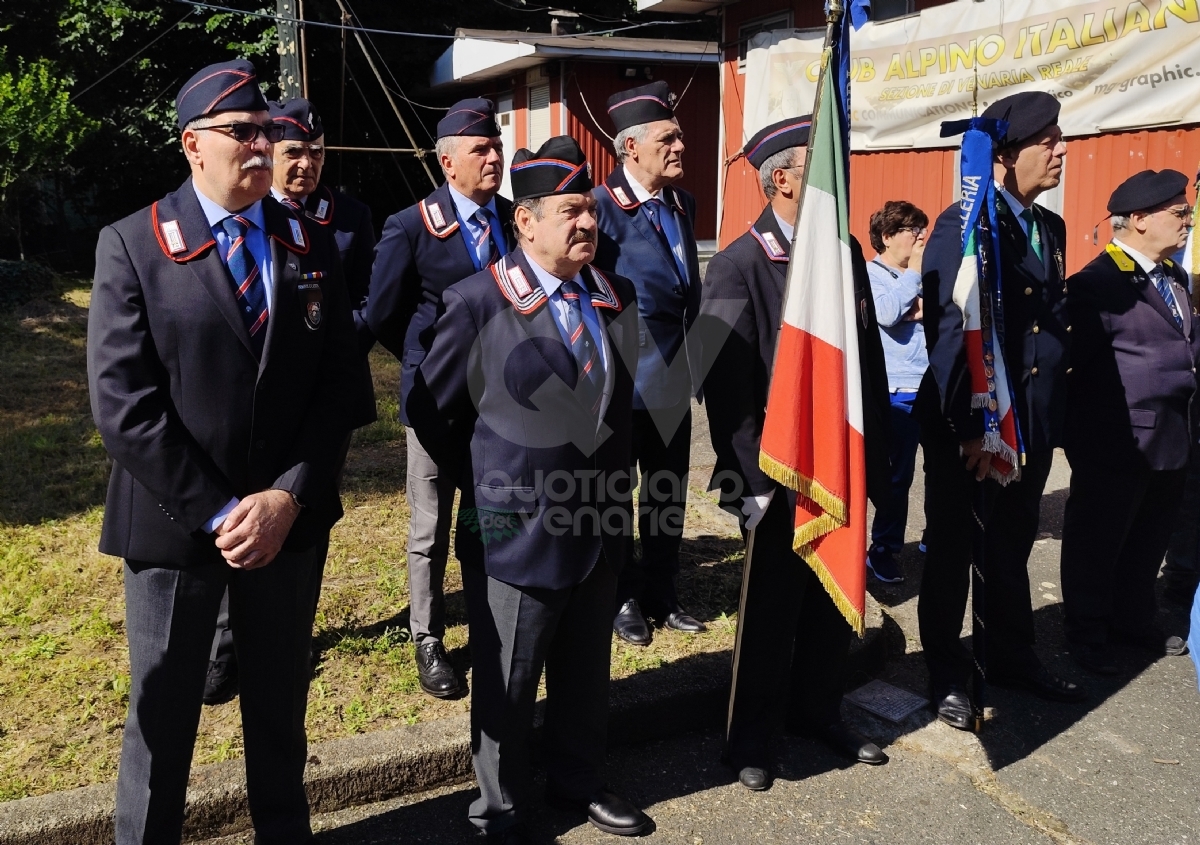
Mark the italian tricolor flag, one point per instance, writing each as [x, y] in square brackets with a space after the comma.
[812, 437]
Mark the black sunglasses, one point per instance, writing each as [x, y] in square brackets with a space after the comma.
[245, 133]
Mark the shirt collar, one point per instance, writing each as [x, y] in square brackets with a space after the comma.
[549, 282]
[214, 213]
[466, 206]
[1013, 203]
[639, 191]
[785, 228]
[1143, 262]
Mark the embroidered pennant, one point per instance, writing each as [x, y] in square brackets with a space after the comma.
[297, 233]
[174, 236]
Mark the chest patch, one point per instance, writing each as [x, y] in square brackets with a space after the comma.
[311, 298]
[174, 237]
[297, 233]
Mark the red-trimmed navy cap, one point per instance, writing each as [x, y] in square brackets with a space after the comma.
[298, 118]
[644, 104]
[228, 86]
[791, 132]
[1148, 189]
[559, 167]
[476, 116]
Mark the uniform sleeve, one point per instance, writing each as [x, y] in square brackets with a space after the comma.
[384, 316]
[943, 327]
[736, 377]
[130, 396]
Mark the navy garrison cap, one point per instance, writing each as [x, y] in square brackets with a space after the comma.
[792, 132]
[228, 86]
[475, 116]
[644, 104]
[299, 120]
[1147, 189]
[1027, 114]
[559, 167]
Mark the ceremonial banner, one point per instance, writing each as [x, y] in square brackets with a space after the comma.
[812, 437]
[1113, 64]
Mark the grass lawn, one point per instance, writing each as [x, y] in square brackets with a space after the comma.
[64, 673]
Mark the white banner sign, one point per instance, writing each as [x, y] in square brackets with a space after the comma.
[1113, 65]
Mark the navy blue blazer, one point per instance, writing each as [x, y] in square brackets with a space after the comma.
[189, 415]
[1035, 340]
[1133, 371]
[545, 486]
[421, 253]
[350, 222]
[667, 304]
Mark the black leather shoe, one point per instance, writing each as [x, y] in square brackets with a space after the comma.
[1153, 640]
[435, 670]
[630, 625]
[1096, 658]
[679, 621]
[1042, 683]
[754, 778]
[953, 707]
[607, 811]
[221, 684]
[850, 744]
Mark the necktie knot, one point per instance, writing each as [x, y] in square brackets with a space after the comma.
[235, 226]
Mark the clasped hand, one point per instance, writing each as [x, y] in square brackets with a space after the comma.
[253, 532]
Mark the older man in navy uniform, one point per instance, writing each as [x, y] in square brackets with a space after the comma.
[528, 388]
[791, 652]
[646, 234]
[1129, 427]
[1028, 161]
[221, 355]
[298, 159]
[455, 232]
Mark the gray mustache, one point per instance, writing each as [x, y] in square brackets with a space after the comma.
[258, 161]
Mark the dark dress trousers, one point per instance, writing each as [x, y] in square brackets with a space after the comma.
[191, 418]
[1034, 345]
[543, 522]
[667, 304]
[350, 222]
[792, 642]
[1128, 436]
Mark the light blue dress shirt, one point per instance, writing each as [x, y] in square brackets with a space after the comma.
[465, 208]
[669, 224]
[559, 307]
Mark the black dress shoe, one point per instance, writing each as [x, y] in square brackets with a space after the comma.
[850, 744]
[953, 707]
[754, 778]
[221, 683]
[630, 625]
[1153, 640]
[677, 620]
[1096, 658]
[1042, 683]
[607, 811]
[435, 670]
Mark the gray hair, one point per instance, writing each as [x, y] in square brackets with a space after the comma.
[533, 205]
[1119, 221]
[638, 133]
[447, 146]
[781, 160]
[200, 122]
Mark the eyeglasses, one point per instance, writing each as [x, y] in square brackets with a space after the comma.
[245, 133]
[917, 231]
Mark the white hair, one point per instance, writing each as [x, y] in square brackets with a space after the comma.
[781, 160]
[447, 146]
[1119, 221]
[638, 133]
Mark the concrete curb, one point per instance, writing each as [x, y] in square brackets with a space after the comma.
[688, 695]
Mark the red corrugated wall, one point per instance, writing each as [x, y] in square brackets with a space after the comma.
[923, 177]
[698, 115]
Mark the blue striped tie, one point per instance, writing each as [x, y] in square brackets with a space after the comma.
[248, 285]
[485, 249]
[583, 347]
[1164, 290]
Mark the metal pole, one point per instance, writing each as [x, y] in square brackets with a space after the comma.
[303, 51]
[979, 602]
[289, 58]
[334, 149]
[387, 93]
[342, 103]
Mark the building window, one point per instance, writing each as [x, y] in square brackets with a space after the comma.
[752, 28]
[539, 115]
[883, 10]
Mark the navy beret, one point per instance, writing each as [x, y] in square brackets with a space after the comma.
[228, 86]
[1147, 189]
[299, 120]
[559, 167]
[475, 116]
[644, 104]
[1027, 114]
[792, 132]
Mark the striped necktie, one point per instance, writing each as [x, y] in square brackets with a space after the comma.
[247, 282]
[1164, 290]
[292, 204]
[485, 249]
[583, 347]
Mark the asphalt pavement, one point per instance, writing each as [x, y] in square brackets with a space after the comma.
[1123, 768]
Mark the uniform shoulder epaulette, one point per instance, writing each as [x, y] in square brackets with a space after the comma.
[770, 245]
[440, 224]
[516, 288]
[1123, 261]
[171, 240]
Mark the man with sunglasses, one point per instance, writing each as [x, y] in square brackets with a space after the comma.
[1134, 356]
[221, 367]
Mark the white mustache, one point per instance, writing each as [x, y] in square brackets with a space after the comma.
[258, 161]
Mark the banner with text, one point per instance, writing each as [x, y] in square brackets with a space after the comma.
[1113, 65]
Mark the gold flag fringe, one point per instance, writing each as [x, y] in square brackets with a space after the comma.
[831, 586]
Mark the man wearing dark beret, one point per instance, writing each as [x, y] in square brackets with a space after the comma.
[458, 230]
[221, 362]
[1134, 354]
[526, 392]
[792, 644]
[1027, 161]
[646, 234]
